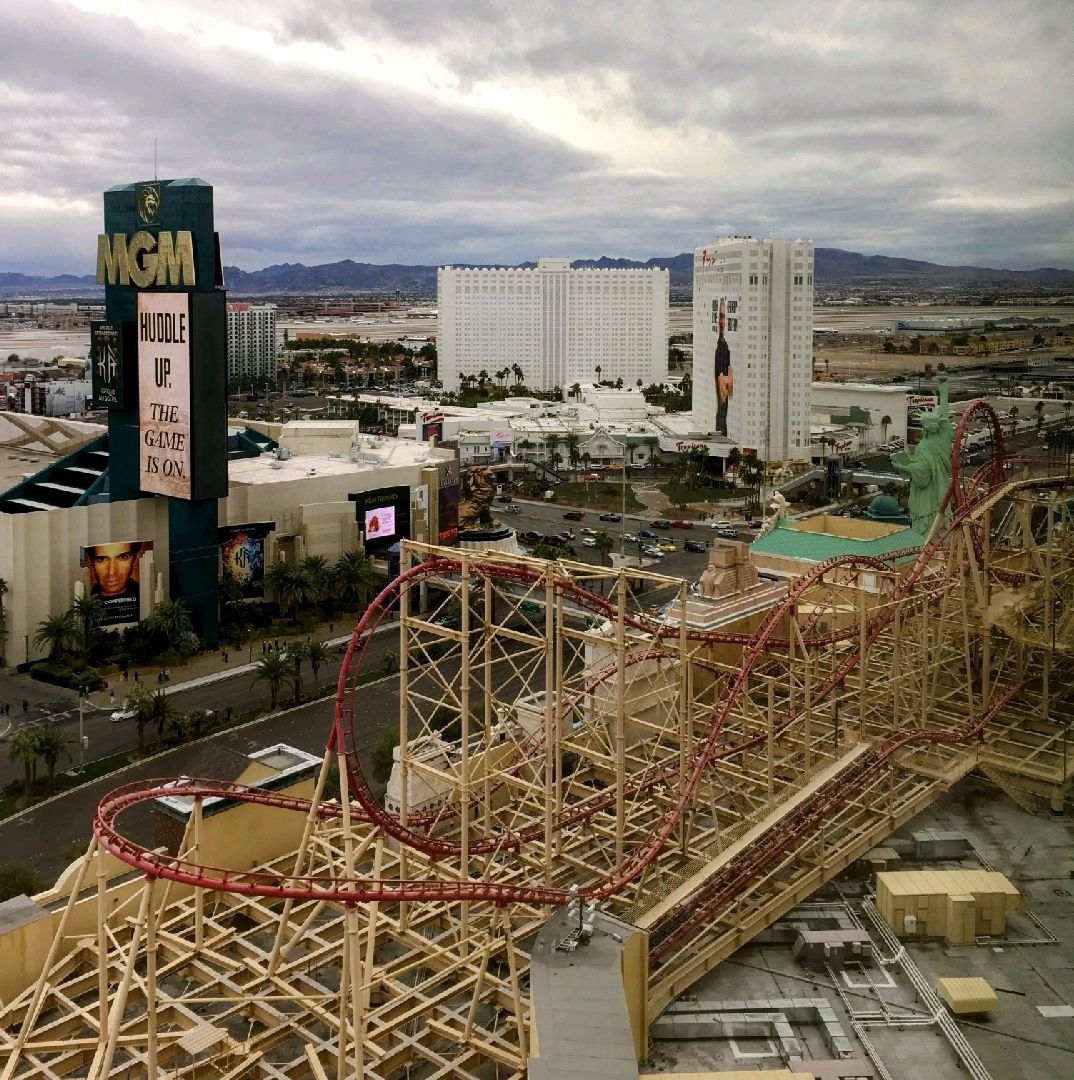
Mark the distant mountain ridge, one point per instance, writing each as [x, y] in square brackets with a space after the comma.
[832, 267]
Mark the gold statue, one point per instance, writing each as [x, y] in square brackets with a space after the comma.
[478, 488]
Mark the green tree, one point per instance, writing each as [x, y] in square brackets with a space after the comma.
[295, 654]
[317, 653]
[141, 704]
[89, 612]
[1039, 410]
[734, 460]
[52, 744]
[885, 422]
[382, 752]
[58, 632]
[317, 578]
[604, 545]
[19, 878]
[272, 670]
[353, 578]
[284, 582]
[23, 750]
[171, 620]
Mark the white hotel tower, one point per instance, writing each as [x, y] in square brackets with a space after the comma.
[753, 387]
[559, 325]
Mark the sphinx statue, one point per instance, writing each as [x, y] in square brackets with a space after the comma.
[477, 490]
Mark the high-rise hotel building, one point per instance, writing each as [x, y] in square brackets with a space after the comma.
[561, 326]
[753, 344]
[251, 341]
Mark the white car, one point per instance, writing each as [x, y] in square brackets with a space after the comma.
[630, 538]
[589, 541]
[120, 715]
[722, 525]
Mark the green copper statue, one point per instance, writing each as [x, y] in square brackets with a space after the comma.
[929, 469]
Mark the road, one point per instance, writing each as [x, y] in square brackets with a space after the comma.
[236, 692]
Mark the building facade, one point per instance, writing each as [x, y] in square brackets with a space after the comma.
[751, 383]
[560, 326]
[251, 341]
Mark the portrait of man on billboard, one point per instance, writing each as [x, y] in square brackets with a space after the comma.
[112, 572]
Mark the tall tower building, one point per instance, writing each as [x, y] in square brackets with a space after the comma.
[559, 325]
[753, 344]
[251, 341]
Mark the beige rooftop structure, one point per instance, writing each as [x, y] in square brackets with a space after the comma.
[958, 905]
[967, 997]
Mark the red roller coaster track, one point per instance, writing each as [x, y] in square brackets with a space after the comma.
[959, 501]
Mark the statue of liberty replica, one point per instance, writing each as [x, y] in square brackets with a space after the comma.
[929, 469]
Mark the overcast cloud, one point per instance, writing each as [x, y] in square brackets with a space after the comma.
[421, 131]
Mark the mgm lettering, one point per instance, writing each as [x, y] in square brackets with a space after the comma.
[146, 260]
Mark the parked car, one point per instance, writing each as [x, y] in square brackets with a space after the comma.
[589, 541]
[651, 552]
[660, 523]
[566, 537]
[530, 536]
[503, 498]
[682, 524]
[646, 534]
[636, 465]
[573, 515]
[514, 508]
[611, 516]
[694, 545]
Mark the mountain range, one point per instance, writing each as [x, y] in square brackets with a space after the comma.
[833, 267]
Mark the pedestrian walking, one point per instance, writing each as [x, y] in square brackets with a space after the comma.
[126, 675]
[111, 697]
[225, 656]
[136, 677]
[25, 705]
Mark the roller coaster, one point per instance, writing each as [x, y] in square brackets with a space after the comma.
[556, 740]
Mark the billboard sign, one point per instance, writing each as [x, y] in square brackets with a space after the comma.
[242, 556]
[113, 574]
[383, 516]
[106, 364]
[163, 328]
[447, 502]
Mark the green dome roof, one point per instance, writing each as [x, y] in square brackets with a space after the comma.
[885, 508]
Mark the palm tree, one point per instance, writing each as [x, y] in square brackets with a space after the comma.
[285, 583]
[23, 748]
[576, 390]
[598, 370]
[58, 632]
[316, 581]
[353, 578]
[1012, 415]
[171, 619]
[604, 545]
[1039, 410]
[734, 460]
[272, 669]
[884, 422]
[296, 653]
[52, 744]
[89, 611]
[518, 373]
[316, 653]
[141, 703]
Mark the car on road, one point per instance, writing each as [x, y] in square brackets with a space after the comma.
[573, 515]
[666, 546]
[721, 524]
[646, 534]
[513, 508]
[593, 476]
[727, 533]
[122, 714]
[660, 523]
[589, 541]
[680, 524]
[611, 516]
[503, 498]
[588, 532]
[530, 536]
[630, 538]
[694, 545]
[651, 552]
[636, 465]
[567, 536]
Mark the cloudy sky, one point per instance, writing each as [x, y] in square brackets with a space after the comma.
[432, 131]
